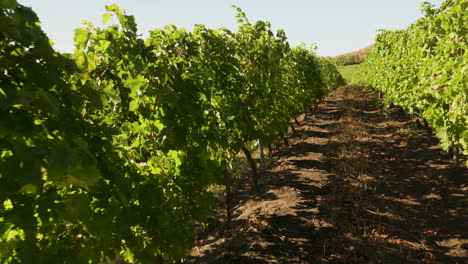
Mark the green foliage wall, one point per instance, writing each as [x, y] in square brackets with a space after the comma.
[111, 149]
[425, 68]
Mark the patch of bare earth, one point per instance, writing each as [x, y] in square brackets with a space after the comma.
[353, 186]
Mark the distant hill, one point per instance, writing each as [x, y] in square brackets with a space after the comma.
[360, 53]
[354, 57]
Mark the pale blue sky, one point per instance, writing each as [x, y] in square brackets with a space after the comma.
[337, 26]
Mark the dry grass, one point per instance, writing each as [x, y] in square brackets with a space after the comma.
[362, 53]
[353, 167]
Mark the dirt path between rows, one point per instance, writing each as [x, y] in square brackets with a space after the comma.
[353, 186]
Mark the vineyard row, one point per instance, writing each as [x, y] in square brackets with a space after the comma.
[424, 68]
[110, 150]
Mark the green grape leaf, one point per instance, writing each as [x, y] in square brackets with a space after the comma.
[106, 17]
[81, 36]
[83, 177]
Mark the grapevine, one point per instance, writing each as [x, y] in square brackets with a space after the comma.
[111, 150]
[424, 68]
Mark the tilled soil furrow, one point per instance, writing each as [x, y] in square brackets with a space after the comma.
[355, 185]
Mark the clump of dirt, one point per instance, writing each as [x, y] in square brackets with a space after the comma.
[353, 186]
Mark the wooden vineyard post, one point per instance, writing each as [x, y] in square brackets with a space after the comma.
[262, 154]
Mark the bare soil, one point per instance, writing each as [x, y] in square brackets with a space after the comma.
[353, 186]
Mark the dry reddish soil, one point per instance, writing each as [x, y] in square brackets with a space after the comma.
[353, 186]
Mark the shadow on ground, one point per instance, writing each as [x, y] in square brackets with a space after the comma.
[382, 193]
